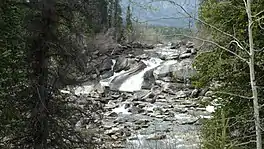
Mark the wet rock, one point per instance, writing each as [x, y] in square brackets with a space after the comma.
[141, 95]
[175, 45]
[107, 74]
[111, 114]
[160, 116]
[114, 137]
[133, 138]
[118, 146]
[206, 100]
[135, 110]
[180, 110]
[203, 91]
[149, 79]
[180, 94]
[115, 96]
[106, 65]
[143, 56]
[190, 122]
[185, 55]
[156, 137]
[194, 93]
[209, 94]
[112, 131]
[165, 69]
[174, 56]
[193, 51]
[142, 122]
[151, 100]
[121, 64]
[190, 44]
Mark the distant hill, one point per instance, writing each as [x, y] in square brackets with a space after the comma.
[152, 12]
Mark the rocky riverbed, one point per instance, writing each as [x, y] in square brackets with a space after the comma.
[148, 99]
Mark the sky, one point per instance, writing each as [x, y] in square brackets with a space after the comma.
[163, 12]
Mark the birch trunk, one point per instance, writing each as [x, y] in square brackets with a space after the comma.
[252, 77]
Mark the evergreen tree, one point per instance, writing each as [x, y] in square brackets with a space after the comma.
[42, 51]
[129, 26]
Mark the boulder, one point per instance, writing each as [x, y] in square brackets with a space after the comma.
[183, 71]
[107, 74]
[173, 56]
[185, 55]
[190, 44]
[209, 94]
[156, 137]
[106, 65]
[149, 79]
[121, 64]
[175, 45]
[165, 69]
[194, 93]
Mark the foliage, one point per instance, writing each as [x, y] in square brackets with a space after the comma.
[43, 49]
[216, 65]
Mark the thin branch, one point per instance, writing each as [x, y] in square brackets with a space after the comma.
[258, 14]
[231, 94]
[245, 143]
[234, 41]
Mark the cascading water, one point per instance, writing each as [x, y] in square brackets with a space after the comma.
[134, 82]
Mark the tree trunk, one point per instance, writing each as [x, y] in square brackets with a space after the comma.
[40, 49]
[252, 77]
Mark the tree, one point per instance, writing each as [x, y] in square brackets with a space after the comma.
[129, 26]
[252, 74]
[43, 46]
[244, 28]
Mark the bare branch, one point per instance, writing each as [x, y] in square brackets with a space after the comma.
[234, 41]
[231, 94]
[258, 14]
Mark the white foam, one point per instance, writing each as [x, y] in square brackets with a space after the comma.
[210, 109]
[65, 91]
[122, 110]
[134, 83]
[106, 82]
[84, 89]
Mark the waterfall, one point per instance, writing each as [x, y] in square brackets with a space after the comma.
[135, 82]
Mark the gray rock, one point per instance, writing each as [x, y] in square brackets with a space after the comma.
[173, 56]
[209, 94]
[206, 99]
[107, 74]
[142, 122]
[106, 65]
[190, 44]
[156, 137]
[194, 93]
[193, 51]
[151, 100]
[149, 79]
[203, 91]
[175, 45]
[143, 56]
[185, 55]
[121, 64]
[111, 114]
[181, 94]
[141, 95]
